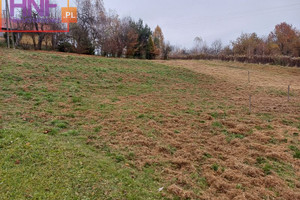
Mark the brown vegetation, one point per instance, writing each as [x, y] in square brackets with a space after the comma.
[273, 60]
[222, 153]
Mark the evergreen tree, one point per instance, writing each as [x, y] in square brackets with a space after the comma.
[144, 33]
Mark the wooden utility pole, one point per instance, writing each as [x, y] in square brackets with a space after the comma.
[8, 20]
[7, 33]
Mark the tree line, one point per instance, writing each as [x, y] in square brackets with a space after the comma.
[105, 33]
[284, 40]
[97, 31]
[111, 35]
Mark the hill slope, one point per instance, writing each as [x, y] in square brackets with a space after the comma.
[83, 127]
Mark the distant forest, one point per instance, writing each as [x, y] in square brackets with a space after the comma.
[283, 41]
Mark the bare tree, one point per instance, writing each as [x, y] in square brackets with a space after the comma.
[32, 21]
[167, 50]
[89, 32]
[216, 47]
[198, 45]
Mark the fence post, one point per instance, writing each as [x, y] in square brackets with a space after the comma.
[248, 76]
[250, 109]
[289, 93]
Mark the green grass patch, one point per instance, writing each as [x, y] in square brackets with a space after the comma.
[215, 167]
[296, 151]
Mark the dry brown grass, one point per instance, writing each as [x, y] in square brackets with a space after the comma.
[185, 147]
[268, 84]
[237, 73]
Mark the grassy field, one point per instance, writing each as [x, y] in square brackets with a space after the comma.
[84, 127]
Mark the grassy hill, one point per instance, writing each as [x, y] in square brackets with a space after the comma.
[84, 127]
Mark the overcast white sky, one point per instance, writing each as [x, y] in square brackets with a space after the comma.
[182, 21]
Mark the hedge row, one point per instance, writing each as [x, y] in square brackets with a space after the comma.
[273, 60]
